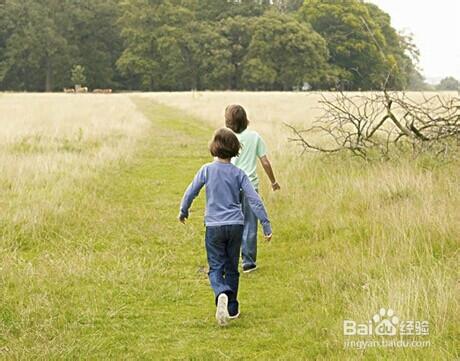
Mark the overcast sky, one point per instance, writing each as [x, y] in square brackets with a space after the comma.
[436, 29]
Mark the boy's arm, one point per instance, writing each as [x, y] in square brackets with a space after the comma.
[269, 171]
[256, 204]
[261, 152]
[191, 193]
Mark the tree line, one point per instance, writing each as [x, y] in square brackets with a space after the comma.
[202, 44]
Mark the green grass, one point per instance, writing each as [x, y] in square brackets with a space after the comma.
[115, 276]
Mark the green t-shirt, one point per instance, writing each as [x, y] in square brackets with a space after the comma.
[252, 148]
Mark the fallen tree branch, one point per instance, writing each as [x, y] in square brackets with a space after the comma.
[370, 122]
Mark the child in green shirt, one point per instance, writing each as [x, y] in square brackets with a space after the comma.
[252, 148]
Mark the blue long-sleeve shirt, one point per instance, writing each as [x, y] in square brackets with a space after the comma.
[224, 182]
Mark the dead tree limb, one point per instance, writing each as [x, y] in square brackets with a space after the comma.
[370, 123]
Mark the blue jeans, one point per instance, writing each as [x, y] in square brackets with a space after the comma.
[249, 244]
[223, 249]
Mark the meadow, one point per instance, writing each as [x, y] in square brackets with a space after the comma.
[94, 265]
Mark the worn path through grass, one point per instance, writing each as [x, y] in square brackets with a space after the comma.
[117, 277]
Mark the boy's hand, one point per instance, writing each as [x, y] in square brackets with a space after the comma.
[276, 186]
[182, 219]
[268, 238]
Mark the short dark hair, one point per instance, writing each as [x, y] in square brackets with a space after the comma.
[236, 118]
[224, 144]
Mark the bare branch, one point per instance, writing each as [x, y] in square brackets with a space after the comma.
[379, 121]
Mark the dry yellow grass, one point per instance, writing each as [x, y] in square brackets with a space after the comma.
[48, 141]
[267, 111]
[393, 227]
[349, 238]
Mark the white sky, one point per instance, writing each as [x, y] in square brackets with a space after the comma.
[436, 29]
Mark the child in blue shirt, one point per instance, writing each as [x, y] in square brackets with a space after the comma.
[224, 219]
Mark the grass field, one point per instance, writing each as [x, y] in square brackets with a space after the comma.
[94, 265]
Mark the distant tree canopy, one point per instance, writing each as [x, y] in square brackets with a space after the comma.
[449, 83]
[363, 46]
[202, 44]
[41, 40]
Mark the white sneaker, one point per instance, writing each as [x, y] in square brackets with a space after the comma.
[222, 315]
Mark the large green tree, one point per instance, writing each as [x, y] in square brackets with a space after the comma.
[43, 39]
[195, 56]
[363, 47]
[238, 32]
[400, 51]
[167, 47]
[283, 53]
[137, 61]
[36, 49]
[448, 83]
[202, 44]
[140, 22]
[96, 41]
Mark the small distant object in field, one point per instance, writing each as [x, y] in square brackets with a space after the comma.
[69, 90]
[102, 91]
[83, 89]
[306, 87]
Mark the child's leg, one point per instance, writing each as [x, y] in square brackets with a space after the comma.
[216, 253]
[249, 245]
[234, 236]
